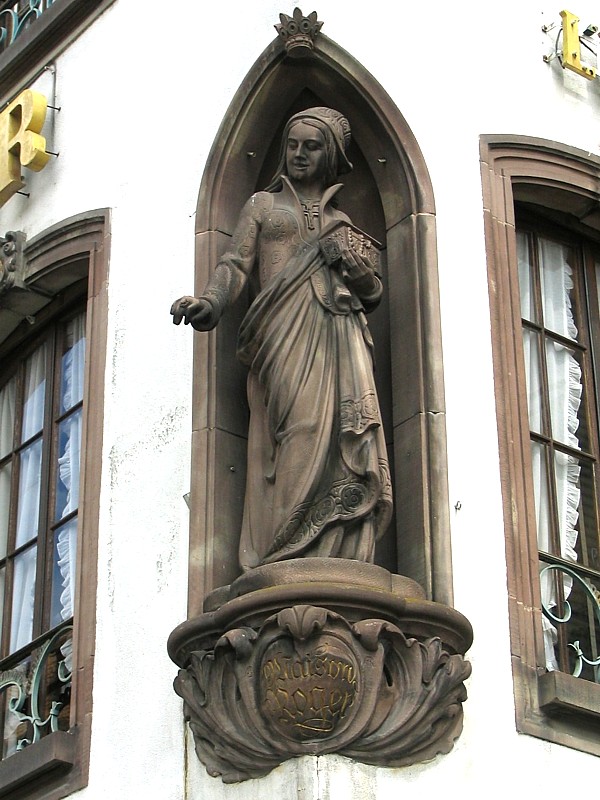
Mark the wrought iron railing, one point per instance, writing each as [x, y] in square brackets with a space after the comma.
[572, 607]
[16, 17]
[35, 692]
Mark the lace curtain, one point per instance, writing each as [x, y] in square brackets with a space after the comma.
[68, 464]
[565, 390]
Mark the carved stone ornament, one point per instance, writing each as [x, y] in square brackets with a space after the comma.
[372, 671]
[12, 262]
[345, 236]
[298, 32]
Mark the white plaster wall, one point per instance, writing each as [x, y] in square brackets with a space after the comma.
[142, 93]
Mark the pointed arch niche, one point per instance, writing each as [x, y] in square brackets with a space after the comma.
[389, 195]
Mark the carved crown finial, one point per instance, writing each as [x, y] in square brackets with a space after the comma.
[298, 32]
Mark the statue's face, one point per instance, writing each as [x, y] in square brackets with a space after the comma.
[306, 159]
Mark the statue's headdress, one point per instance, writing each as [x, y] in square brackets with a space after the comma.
[338, 126]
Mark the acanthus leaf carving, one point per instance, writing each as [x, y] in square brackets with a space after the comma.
[240, 640]
[309, 682]
[302, 621]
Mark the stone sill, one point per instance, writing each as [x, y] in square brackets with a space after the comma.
[560, 693]
[55, 752]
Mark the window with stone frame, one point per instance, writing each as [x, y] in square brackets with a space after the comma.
[543, 253]
[560, 327]
[52, 354]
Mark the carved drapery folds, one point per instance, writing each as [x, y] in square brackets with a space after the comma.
[371, 672]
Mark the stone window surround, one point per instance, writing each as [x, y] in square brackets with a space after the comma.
[55, 259]
[550, 705]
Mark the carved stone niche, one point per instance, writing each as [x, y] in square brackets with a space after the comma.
[313, 656]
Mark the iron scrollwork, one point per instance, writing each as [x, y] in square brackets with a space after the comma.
[593, 596]
[36, 686]
[16, 20]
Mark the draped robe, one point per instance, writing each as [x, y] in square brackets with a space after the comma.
[318, 480]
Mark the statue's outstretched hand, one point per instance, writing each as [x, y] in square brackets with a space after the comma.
[195, 311]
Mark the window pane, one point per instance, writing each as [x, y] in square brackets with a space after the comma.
[71, 381]
[5, 477]
[35, 393]
[67, 474]
[587, 543]
[23, 596]
[526, 278]
[8, 395]
[565, 389]
[63, 572]
[534, 383]
[45, 679]
[557, 287]
[542, 503]
[28, 509]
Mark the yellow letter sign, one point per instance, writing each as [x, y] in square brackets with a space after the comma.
[20, 141]
[571, 53]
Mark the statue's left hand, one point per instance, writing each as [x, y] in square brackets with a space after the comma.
[356, 267]
[359, 272]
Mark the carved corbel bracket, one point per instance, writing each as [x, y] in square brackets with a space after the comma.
[12, 261]
[368, 670]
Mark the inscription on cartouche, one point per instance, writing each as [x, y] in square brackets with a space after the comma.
[308, 695]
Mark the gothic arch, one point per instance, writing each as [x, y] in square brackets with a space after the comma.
[389, 194]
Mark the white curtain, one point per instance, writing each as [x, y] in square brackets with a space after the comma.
[565, 389]
[69, 460]
[35, 393]
[23, 598]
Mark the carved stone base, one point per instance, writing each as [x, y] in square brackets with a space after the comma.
[314, 656]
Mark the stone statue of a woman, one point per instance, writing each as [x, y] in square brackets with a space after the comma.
[318, 479]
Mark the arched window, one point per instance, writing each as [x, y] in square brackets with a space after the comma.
[543, 249]
[52, 353]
